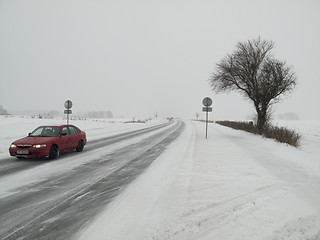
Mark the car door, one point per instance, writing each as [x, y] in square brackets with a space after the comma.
[74, 137]
[64, 139]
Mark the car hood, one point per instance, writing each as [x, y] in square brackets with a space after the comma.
[33, 140]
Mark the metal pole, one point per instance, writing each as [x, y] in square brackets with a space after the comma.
[206, 124]
[68, 117]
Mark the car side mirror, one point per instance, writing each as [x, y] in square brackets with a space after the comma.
[29, 134]
[63, 134]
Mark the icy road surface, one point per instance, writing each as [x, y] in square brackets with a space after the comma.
[42, 199]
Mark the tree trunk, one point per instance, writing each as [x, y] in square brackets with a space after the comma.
[261, 110]
[260, 123]
[262, 118]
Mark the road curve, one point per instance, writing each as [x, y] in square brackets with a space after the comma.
[59, 206]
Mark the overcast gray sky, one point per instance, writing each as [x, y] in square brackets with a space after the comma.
[140, 57]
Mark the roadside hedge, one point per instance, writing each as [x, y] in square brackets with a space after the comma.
[280, 134]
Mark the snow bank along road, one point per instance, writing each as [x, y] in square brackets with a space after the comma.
[233, 185]
[43, 199]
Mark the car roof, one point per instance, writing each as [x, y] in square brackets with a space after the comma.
[64, 125]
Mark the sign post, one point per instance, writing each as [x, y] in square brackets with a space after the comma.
[68, 106]
[207, 102]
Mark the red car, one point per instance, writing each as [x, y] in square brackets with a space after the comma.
[49, 141]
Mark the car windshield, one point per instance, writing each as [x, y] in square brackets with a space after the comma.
[45, 132]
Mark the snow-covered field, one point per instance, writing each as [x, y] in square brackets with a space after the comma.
[233, 185]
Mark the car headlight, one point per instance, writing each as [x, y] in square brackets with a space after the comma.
[39, 145]
[13, 146]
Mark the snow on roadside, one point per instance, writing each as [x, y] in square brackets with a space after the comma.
[310, 131]
[234, 185]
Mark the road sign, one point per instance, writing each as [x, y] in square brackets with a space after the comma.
[68, 104]
[207, 101]
[67, 111]
[206, 109]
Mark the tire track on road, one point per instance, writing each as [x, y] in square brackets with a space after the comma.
[61, 208]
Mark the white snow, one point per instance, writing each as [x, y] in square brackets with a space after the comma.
[233, 185]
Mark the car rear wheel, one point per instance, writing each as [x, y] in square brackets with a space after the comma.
[80, 146]
[54, 152]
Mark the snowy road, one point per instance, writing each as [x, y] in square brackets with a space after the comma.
[56, 203]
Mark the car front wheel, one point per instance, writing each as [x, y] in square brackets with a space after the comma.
[54, 152]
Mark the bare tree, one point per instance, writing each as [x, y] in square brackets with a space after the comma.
[197, 116]
[254, 72]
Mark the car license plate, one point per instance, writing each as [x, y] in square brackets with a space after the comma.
[22, 152]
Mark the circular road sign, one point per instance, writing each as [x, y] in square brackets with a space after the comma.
[68, 104]
[207, 101]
